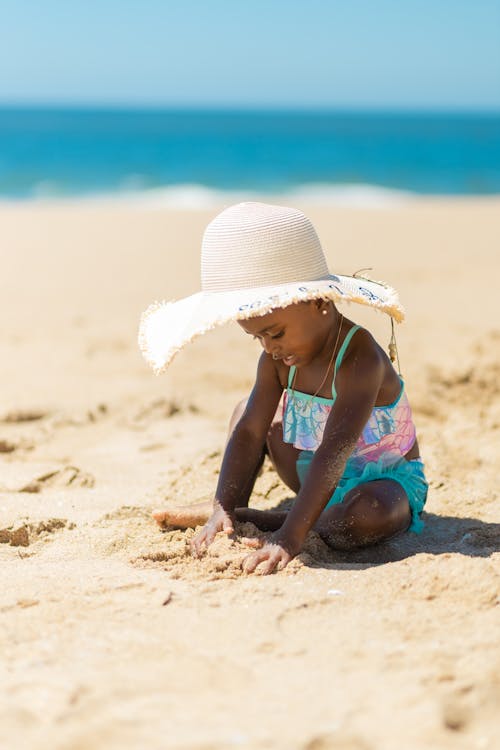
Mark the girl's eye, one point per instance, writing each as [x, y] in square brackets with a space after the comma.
[276, 336]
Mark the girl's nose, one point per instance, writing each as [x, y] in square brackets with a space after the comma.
[270, 348]
[266, 344]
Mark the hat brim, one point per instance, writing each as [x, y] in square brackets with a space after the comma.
[166, 327]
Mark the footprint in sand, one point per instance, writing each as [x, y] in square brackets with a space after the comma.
[7, 446]
[23, 415]
[336, 741]
[19, 416]
[141, 418]
[20, 604]
[79, 418]
[10, 446]
[68, 476]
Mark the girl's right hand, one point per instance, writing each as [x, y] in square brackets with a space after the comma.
[220, 520]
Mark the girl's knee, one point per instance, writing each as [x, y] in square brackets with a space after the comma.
[283, 456]
[361, 519]
[380, 502]
[361, 506]
[359, 516]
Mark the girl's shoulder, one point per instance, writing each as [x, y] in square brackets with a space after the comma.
[360, 340]
[358, 345]
[366, 361]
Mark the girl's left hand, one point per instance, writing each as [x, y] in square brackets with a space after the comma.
[273, 555]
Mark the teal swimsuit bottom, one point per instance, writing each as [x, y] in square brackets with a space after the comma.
[409, 474]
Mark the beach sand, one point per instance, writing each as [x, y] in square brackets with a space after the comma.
[112, 636]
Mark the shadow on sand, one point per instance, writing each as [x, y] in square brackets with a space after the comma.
[441, 535]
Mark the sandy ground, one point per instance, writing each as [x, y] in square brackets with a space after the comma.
[111, 636]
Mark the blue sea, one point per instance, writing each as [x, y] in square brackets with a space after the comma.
[193, 155]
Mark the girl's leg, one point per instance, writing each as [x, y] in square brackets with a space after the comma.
[283, 457]
[369, 513]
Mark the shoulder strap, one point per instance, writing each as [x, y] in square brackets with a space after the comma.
[291, 373]
[340, 355]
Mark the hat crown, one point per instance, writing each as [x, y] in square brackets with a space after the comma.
[257, 244]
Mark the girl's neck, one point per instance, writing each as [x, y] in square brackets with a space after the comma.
[333, 335]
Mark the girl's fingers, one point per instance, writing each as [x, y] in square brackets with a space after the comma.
[270, 565]
[197, 543]
[251, 561]
[271, 558]
[210, 536]
[251, 541]
[283, 562]
[207, 536]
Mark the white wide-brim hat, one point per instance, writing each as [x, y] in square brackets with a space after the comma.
[255, 258]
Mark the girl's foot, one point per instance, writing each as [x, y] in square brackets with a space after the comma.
[184, 516]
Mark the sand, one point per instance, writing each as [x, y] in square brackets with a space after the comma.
[112, 636]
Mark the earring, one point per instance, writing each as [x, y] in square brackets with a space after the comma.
[393, 347]
[324, 312]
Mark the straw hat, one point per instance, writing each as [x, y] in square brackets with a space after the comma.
[255, 257]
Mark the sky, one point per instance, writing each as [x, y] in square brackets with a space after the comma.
[413, 54]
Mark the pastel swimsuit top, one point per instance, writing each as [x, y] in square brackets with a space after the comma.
[389, 431]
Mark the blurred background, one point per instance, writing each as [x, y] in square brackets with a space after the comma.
[188, 103]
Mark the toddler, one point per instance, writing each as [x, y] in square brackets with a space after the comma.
[327, 406]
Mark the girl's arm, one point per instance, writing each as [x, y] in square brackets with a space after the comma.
[243, 451]
[244, 448]
[357, 384]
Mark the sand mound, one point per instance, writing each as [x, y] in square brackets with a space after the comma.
[29, 532]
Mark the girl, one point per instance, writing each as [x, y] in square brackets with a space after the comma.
[342, 437]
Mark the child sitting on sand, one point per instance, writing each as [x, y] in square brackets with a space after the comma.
[341, 436]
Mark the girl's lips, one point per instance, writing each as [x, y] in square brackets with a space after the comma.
[290, 360]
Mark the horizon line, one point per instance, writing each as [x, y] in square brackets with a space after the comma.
[248, 107]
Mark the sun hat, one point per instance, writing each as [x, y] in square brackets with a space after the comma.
[255, 257]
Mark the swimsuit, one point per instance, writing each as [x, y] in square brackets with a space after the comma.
[379, 452]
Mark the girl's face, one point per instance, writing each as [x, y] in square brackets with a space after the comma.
[295, 334]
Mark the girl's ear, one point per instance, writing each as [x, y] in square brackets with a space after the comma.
[321, 305]
[317, 304]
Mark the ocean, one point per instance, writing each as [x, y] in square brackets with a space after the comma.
[192, 157]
